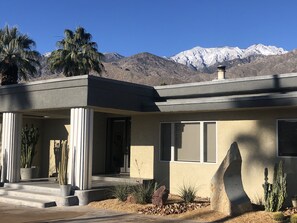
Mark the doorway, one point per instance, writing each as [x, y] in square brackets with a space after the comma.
[118, 145]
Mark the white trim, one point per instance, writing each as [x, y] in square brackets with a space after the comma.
[201, 142]
[276, 138]
[173, 150]
[172, 143]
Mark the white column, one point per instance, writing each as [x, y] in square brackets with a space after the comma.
[81, 148]
[11, 147]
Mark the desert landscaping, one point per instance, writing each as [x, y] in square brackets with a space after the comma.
[201, 212]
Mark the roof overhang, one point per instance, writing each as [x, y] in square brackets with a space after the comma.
[242, 93]
[79, 91]
[106, 95]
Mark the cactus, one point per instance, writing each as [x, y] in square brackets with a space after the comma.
[275, 193]
[29, 140]
[63, 164]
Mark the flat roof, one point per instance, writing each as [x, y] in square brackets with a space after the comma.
[106, 94]
[78, 91]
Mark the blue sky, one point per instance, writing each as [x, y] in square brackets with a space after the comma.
[162, 27]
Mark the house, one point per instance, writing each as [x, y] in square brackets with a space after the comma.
[177, 135]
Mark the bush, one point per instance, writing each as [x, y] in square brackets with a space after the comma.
[278, 216]
[143, 193]
[293, 218]
[121, 192]
[188, 193]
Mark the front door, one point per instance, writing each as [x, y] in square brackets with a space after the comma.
[118, 145]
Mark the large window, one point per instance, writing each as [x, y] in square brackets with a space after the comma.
[287, 137]
[188, 141]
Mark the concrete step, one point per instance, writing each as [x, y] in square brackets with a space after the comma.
[29, 202]
[23, 193]
[47, 188]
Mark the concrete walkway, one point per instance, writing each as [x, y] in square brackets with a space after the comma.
[76, 214]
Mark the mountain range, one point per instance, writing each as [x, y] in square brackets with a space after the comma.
[197, 64]
[202, 59]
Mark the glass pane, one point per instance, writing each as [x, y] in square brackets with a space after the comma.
[166, 141]
[287, 138]
[187, 141]
[210, 142]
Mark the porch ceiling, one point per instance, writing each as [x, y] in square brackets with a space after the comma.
[48, 114]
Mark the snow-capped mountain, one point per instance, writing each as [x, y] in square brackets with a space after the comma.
[201, 58]
[111, 57]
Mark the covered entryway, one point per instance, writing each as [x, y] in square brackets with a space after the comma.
[118, 145]
[84, 110]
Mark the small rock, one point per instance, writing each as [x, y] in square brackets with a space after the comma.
[160, 196]
[131, 199]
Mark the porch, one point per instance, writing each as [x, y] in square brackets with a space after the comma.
[45, 192]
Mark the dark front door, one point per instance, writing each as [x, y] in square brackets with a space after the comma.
[118, 145]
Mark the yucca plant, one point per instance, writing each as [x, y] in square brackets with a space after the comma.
[143, 193]
[187, 193]
[63, 165]
[121, 192]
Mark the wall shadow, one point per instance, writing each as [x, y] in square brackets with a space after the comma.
[15, 97]
[261, 153]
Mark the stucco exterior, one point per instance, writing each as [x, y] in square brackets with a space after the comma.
[253, 130]
[244, 111]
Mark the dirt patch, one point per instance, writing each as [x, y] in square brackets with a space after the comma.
[201, 213]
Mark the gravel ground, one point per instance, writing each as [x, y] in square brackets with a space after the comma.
[203, 214]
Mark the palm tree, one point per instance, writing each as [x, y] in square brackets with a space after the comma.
[17, 59]
[76, 54]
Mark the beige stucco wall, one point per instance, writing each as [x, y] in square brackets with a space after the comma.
[142, 161]
[253, 130]
[54, 130]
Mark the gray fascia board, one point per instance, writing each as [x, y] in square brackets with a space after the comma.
[229, 102]
[260, 84]
[120, 95]
[47, 94]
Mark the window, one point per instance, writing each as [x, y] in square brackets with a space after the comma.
[188, 141]
[287, 137]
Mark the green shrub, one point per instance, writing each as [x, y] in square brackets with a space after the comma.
[187, 193]
[293, 218]
[121, 192]
[143, 193]
[278, 216]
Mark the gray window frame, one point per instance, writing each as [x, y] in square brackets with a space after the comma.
[277, 138]
[173, 149]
